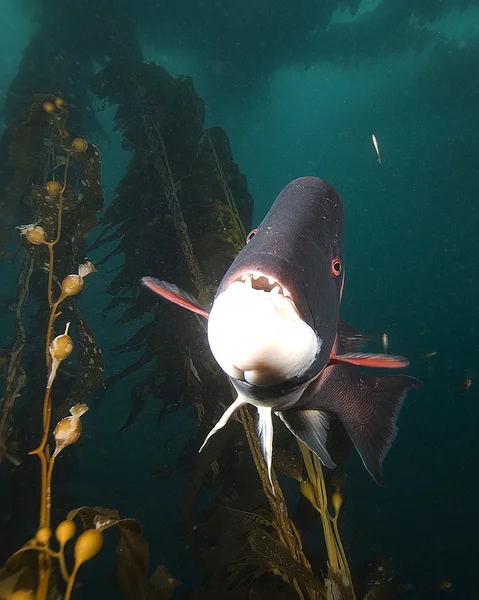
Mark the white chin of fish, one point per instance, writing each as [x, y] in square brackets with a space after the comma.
[258, 336]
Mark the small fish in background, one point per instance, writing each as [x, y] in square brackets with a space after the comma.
[376, 147]
[442, 584]
[464, 386]
[385, 340]
[428, 355]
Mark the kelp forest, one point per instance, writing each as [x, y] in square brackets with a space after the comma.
[181, 212]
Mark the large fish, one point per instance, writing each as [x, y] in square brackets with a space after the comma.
[274, 329]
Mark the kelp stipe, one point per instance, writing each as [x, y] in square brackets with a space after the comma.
[314, 489]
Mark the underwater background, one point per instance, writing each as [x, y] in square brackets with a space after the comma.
[297, 89]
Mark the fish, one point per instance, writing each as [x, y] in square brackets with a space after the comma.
[464, 386]
[376, 147]
[274, 329]
[442, 584]
[428, 355]
[385, 340]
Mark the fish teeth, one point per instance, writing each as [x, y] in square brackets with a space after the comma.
[275, 291]
[271, 280]
[256, 276]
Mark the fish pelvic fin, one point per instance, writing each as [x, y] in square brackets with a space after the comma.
[368, 407]
[174, 294]
[310, 427]
[265, 434]
[224, 419]
[350, 339]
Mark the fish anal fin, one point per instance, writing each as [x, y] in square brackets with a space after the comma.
[174, 294]
[265, 434]
[367, 406]
[310, 427]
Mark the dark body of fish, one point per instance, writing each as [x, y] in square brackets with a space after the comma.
[274, 328]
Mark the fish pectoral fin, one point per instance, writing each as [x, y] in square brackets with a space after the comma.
[367, 406]
[224, 419]
[265, 434]
[362, 359]
[174, 294]
[350, 339]
[310, 427]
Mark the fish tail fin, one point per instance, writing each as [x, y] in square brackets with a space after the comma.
[374, 437]
[367, 406]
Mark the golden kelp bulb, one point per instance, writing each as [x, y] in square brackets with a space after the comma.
[71, 285]
[79, 145]
[59, 102]
[65, 531]
[68, 430]
[43, 535]
[307, 489]
[54, 188]
[337, 499]
[87, 546]
[21, 595]
[48, 107]
[61, 347]
[34, 233]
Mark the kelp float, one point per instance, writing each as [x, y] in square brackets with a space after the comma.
[62, 211]
[181, 213]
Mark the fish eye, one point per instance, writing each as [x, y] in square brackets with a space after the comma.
[251, 235]
[336, 267]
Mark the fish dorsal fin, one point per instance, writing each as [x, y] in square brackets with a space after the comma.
[362, 359]
[350, 339]
[310, 427]
[174, 294]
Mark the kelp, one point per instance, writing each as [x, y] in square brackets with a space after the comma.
[44, 122]
[131, 565]
[182, 178]
[62, 215]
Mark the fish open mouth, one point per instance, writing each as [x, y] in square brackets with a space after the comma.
[266, 283]
[256, 333]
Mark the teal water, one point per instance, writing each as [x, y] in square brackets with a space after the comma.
[299, 90]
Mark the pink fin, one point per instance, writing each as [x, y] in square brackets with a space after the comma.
[379, 361]
[173, 293]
